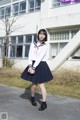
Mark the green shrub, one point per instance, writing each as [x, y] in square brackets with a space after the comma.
[7, 63]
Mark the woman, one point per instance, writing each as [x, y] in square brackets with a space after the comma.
[38, 71]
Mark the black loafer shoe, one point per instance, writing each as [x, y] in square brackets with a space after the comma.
[33, 102]
[43, 106]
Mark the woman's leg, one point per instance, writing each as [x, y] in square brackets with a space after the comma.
[44, 94]
[43, 91]
[33, 89]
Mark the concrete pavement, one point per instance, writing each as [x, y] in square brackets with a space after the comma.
[16, 102]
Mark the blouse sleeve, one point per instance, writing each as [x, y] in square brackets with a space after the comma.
[42, 55]
[29, 56]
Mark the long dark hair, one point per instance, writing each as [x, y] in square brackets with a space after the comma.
[44, 32]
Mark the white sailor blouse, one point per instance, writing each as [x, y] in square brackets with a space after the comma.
[37, 53]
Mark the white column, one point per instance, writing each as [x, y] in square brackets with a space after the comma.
[23, 54]
[11, 8]
[58, 47]
[32, 38]
[69, 34]
[23, 51]
[26, 6]
[9, 51]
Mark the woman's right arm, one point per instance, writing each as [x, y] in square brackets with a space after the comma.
[30, 55]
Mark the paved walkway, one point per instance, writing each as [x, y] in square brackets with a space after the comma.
[16, 103]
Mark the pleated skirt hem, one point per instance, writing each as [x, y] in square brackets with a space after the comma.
[42, 74]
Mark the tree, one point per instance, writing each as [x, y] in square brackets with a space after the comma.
[8, 29]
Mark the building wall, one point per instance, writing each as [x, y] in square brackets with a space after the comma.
[54, 19]
[49, 17]
[61, 16]
[3, 2]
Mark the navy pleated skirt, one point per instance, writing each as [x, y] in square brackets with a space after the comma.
[42, 73]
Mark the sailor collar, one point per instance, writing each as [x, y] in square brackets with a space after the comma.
[41, 44]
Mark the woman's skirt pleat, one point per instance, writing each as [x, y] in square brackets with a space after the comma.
[42, 74]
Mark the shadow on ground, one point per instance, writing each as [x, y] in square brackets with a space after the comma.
[27, 95]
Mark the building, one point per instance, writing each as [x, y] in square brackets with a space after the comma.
[61, 19]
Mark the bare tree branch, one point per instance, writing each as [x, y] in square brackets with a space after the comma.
[8, 28]
[13, 29]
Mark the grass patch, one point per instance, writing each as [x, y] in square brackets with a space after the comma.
[12, 77]
[65, 82]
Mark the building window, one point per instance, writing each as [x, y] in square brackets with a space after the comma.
[19, 45]
[8, 11]
[27, 50]
[35, 38]
[28, 39]
[16, 50]
[19, 8]
[63, 35]
[34, 5]
[16, 9]
[73, 32]
[59, 35]
[13, 46]
[19, 50]
[76, 54]
[22, 7]
[16, 47]
[5, 11]
[13, 40]
[12, 51]
[55, 48]
[20, 39]
[37, 4]
[57, 45]
[31, 5]
[2, 12]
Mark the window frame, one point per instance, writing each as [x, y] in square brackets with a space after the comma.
[2, 14]
[23, 44]
[7, 14]
[15, 13]
[24, 10]
[34, 8]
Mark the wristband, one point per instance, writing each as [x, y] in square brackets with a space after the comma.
[33, 68]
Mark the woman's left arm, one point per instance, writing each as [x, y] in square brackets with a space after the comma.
[42, 55]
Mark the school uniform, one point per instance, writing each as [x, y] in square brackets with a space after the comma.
[37, 60]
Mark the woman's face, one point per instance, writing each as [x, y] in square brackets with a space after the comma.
[41, 36]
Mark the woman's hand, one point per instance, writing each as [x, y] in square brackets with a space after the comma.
[30, 70]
